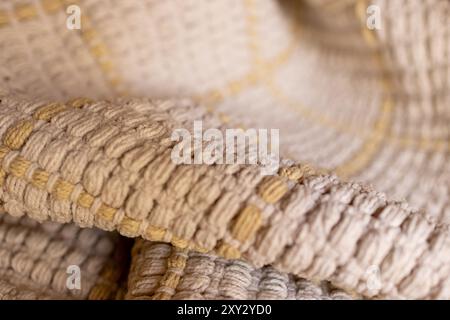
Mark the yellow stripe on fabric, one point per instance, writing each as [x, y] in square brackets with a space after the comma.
[19, 167]
[227, 251]
[337, 5]
[62, 190]
[247, 223]
[371, 146]
[252, 21]
[107, 282]
[52, 6]
[381, 127]
[2, 177]
[40, 179]
[101, 54]
[297, 172]
[260, 68]
[3, 152]
[4, 19]
[127, 225]
[245, 227]
[49, 111]
[215, 96]
[25, 12]
[85, 200]
[78, 103]
[272, 189]
[175, 266]
[16, 136]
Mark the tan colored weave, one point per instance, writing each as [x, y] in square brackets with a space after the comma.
[34, 259]
[365, 128]
[161, 271]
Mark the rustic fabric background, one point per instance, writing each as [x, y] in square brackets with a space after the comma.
[85, 123]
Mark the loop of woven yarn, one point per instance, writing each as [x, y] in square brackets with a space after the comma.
[310, 225]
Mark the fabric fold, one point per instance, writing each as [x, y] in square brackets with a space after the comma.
[107, 165]
[357, 208]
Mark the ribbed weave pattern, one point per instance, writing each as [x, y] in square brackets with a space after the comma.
[364, 118]
[34, 259]
[161, 271]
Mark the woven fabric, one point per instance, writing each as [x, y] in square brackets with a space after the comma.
[161, 271]
[35, 257]
[364, 180]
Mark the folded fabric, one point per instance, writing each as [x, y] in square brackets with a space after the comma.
[361, 188]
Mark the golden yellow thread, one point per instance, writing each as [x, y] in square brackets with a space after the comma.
[376, 137]
[47, 112]
[109, 274]
[16, 136]
[99, 50]
[2, 176]
[129, 226]
[106, 212]
[40, 179]
[89, 34]
[155, 233]
[101, 54]
[260, 70]
[252, 20]
[297, 172]
[19, 167]
[4, 19]
[368, 35]
[179, 242]
[304, 111]
[161, 296]
[247, 223]
[175, 264]
[371, 146]
[85, 200]
[100, 291]
[197, 248]
[3, 152]
[178, 262]
[52, 6]
[79, 102]
[337, 5]
[272, 189]
[169, 280]
[106, 66]
[63, 189]
[228, 252]
[25, 12]
[115, 80]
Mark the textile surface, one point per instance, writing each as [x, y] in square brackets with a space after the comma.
[87, 176]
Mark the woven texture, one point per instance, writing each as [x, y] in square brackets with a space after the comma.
[364, 179]
[161, 271]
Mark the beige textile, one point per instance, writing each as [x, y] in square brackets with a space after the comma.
[86, 118]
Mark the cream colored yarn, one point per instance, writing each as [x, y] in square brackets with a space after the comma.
[367, 110]
[204, 276]
[34, 259]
